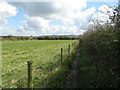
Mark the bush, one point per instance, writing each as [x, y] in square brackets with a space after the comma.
[102, 47]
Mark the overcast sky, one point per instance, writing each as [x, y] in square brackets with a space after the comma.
[59, 17]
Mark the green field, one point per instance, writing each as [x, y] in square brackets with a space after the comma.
[43, 54]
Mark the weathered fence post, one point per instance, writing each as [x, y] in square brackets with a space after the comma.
[61, 55]
[30, 72]
[69, 48]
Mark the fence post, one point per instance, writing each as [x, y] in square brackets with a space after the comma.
[61, 55]
[69, 48]
[30, 72]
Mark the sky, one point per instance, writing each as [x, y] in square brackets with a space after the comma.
[59, 17]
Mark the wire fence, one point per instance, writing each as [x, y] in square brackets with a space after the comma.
[35, 73]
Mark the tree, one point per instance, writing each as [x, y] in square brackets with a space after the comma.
[116, 16]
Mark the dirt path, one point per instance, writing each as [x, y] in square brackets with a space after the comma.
[72, 78]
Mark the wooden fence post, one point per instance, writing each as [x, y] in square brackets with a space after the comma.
[30, 72]
[69, 48]
[61, 55]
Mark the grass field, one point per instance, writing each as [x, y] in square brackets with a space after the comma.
[15, 54]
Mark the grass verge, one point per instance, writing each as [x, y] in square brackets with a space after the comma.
[57, 79]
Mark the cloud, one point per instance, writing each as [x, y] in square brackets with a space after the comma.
[64, 29]
[41, 9]
[40, 14]
[19, 32]
[42, 27]
[6, 11]
[69, 13]
[7, 31]
[82, 18]
[105, 9]
[50, 10]
[104, 12]
[35, 23]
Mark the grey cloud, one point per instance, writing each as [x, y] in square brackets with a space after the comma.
[43, 9]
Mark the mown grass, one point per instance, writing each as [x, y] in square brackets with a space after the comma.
[43, 53]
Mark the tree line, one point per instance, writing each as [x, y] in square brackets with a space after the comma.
[14, 38]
